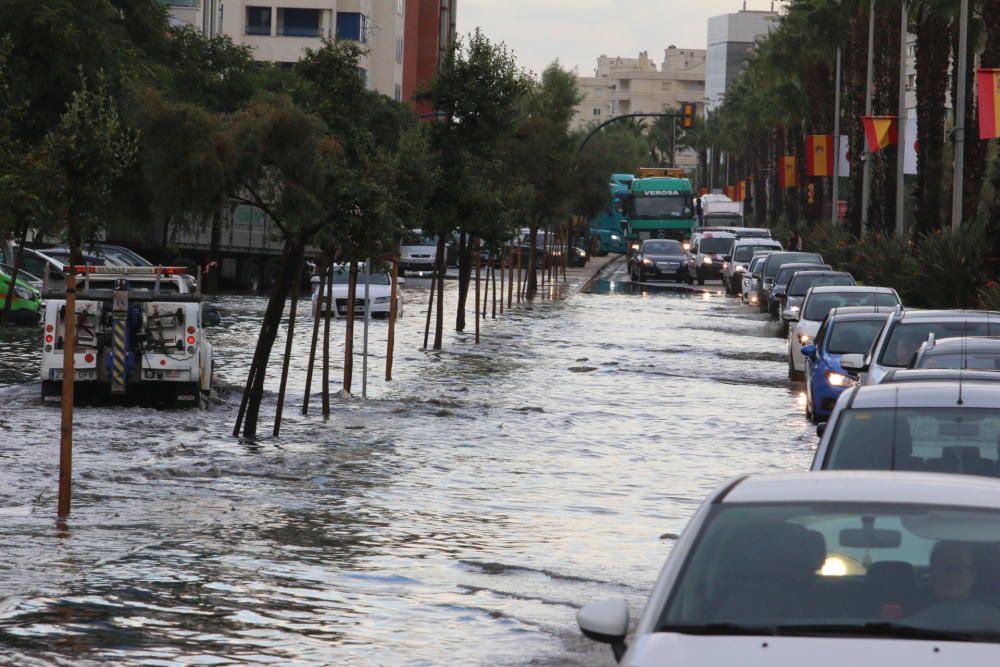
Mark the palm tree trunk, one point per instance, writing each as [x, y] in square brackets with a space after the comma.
[932, 65]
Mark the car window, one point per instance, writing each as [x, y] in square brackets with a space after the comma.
[943, 439]
[341, 276]
[801, 284]
[854, 336]
[716, 246]
[982, 361]
[821, 334]
[767, 568]
[662, 247]
[817, 306]
[905, 338]
[744, 253]
[775, 262]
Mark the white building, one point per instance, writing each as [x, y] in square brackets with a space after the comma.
[731, 38]
[281, 30]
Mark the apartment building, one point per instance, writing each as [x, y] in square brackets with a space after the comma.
[430, 30]
[731, 39]
[281, 30]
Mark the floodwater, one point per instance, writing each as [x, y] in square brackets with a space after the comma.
[460, 515]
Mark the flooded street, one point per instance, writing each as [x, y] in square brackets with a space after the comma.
[459, 516]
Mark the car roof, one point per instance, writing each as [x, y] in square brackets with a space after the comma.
[950, 315]
[928, 394]
[858, 313]
[851, 289]
[866, 487]
[758, 240]
[940, 375]
[819, 272]
[967, 344]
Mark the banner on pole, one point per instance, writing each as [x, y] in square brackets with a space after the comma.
[880, 131]
[787, 172]
[741, 191]
[845, 156]
[910, 146]
[731, 192]
[989, 103]
[819, 155]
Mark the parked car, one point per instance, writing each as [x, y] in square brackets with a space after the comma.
[113, 255]
[380, 292]
[749, 286]
[818, 303]
[781, 280]
[25, 299]
[905, 331]
[769, 269]
[896, 375]
[969, 353]
[27, 277]
[736, 262]
[825, 569]
[928, 426]
[794, 293]
[707, 252]
[417, 252]
[662, 259]
[844, 331]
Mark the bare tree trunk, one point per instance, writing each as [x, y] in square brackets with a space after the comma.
[932, 53]
[288, 350]
[520, 281]
[352, 287]
[328, 313]
[391, 334]
[493, 278]
[439, 325]
[503, 258]
[9, 297]
[532, 278]
[477, 290]
[212, 275]
[317, 313]
[430, 308]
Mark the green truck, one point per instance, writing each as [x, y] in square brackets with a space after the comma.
[660, 207]
[26, 299]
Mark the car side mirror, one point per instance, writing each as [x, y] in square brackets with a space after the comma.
[605, 621]
[809, 351]
[820, 429]
[853, 362]
[727, 258]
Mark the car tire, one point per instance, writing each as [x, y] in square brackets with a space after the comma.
[791, 369]
[689, 280]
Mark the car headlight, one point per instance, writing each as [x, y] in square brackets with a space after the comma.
[793, 309]
[740, 269]
[615, 237]
[753, 299]
[706, 260]
[839, 379]
[647, 262]
[725, 265]
[634, 246]
[804, 339]
[23, 293]
[382, 299]
[686, 246]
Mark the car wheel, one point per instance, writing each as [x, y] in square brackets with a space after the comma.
[791, 369]
[689, 280]
[642, 278]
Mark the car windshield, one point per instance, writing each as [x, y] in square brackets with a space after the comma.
[412, 238]
[786, 273]
[980, 361]
[744, 253]
[817, 306]
[853, 336]
[946, 439]
[662, 248]
[724, 219]
[715, 245]
[905, 338]
[341, 277]
[801, 284]
[657, 207]
[839, 569]
[777, 261]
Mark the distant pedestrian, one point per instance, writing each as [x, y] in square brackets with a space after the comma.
[795, 241]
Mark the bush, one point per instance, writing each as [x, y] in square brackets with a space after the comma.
[989, 296]
[837, 246]
[883, 261]
[950, 267]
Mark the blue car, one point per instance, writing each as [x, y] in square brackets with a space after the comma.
[844, 331]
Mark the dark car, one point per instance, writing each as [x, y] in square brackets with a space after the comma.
[663, 259]
[769, 269]
[782, 279]
[980, 353]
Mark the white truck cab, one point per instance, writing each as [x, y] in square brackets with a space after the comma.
[138, 338]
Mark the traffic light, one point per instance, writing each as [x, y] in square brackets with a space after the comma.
[688, 118]
[811, 193]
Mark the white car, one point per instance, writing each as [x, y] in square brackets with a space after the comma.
[817, 303]
[905, 331]
[735, 263]
[417, 252]
[380, 292]
[749, 287]
[938, 422]
[824, 569]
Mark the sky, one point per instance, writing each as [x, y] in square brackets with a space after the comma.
[578, 31]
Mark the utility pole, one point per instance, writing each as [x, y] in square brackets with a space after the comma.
[958, 186]
[901, 123]
[866, 188]
[836, 142]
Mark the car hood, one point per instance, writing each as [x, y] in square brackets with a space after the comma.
[720, 651]
[417, 249]
[665, 258]
[340, 291]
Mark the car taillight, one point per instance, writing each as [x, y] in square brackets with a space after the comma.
[48, 338]
[190, 340]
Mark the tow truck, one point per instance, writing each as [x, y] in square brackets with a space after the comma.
[139, 338]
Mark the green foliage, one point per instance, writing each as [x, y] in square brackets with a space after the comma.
[613, 150]
[950, 266]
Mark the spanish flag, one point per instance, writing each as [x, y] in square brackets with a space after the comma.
[731, 192]
[880, 131]
[741, 191]
[788, 176]
[989, 103]
[819, 155]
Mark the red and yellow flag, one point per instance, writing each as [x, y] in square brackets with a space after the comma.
[731, 192]
[880, 131]
[741, 191]
[989, 103]
[819, 155]
[788, 175]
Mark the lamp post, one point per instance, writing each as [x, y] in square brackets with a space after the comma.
[963, 64]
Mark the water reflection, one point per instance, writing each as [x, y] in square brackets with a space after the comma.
[460, 516]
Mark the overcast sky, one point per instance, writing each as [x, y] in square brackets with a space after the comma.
[578, 31]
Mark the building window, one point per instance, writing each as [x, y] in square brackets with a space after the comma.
[666, 85]
[400, 7]
[399, 50]
[352, 26]
[258, 20]
[363, 73]
[623, 84]
[398, 93]
[597, 112]
[183, 3]
[299, 22]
